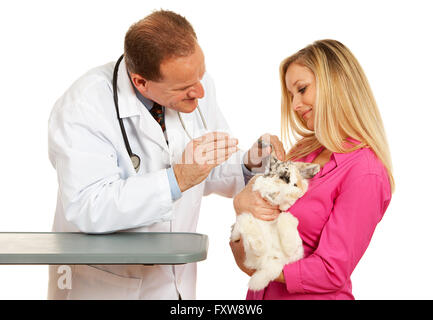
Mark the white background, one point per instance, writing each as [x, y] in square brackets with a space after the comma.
[46, 45]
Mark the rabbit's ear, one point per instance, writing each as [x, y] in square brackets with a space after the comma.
[307, 170]
[273, 160]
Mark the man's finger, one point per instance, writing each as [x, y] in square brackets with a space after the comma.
[265, 152]
[211, 137]
[219, 144]
[222, 157]
[278, 148]
[264, 141]
[220, 153]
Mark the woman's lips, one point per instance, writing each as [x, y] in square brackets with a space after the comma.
[305, 113]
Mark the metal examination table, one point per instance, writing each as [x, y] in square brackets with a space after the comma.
[56, 248]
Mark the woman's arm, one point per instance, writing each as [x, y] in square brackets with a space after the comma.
[239, 255]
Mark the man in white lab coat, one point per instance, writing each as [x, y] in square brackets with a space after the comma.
[160, 82]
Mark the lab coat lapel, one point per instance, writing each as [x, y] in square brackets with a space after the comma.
[177, 135]
[130, 106]
[177, 138]
[150, 128]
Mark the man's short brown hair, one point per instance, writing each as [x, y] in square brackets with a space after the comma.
[159, 36]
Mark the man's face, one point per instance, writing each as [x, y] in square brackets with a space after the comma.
[180, 87]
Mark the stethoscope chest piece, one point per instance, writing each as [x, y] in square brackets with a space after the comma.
[135, 162]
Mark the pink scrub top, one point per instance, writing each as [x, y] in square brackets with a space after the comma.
[337, 217]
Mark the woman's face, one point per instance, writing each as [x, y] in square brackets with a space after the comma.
[301, 84]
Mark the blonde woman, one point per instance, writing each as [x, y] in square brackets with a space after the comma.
[329, 107]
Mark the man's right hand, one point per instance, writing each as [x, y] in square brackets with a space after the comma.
[201, 155]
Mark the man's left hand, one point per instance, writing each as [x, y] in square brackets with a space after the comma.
[260, 150]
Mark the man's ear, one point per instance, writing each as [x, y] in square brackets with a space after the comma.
[139, 82]
[307, 170]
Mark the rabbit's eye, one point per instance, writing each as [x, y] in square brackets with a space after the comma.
[285, 178]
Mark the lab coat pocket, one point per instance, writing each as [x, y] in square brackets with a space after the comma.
[89, 283]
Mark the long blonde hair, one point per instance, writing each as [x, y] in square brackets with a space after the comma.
[344, 107]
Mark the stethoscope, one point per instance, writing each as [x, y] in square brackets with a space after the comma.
[135, 158]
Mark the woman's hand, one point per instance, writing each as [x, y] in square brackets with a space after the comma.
[239, 255]
[251, 201]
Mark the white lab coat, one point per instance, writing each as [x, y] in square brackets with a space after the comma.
[99, 190]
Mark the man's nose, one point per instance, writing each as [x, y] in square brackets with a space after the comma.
[197, 91]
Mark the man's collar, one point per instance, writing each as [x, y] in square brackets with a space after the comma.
[147, 103]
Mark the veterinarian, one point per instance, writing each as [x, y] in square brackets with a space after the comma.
[327, 102]
[136, 144]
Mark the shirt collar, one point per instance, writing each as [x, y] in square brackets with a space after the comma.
[335, 160]
[340, 157]
[147, 102]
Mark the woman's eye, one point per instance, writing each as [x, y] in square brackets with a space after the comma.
[302, 90]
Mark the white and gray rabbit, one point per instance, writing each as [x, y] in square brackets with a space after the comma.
[269, 245]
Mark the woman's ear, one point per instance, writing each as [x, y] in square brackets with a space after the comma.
[307, 170]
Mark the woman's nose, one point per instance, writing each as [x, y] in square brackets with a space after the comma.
[296, 103]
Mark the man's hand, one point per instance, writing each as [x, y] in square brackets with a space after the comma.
[201, 155]
[251, 201]
[260, 150]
